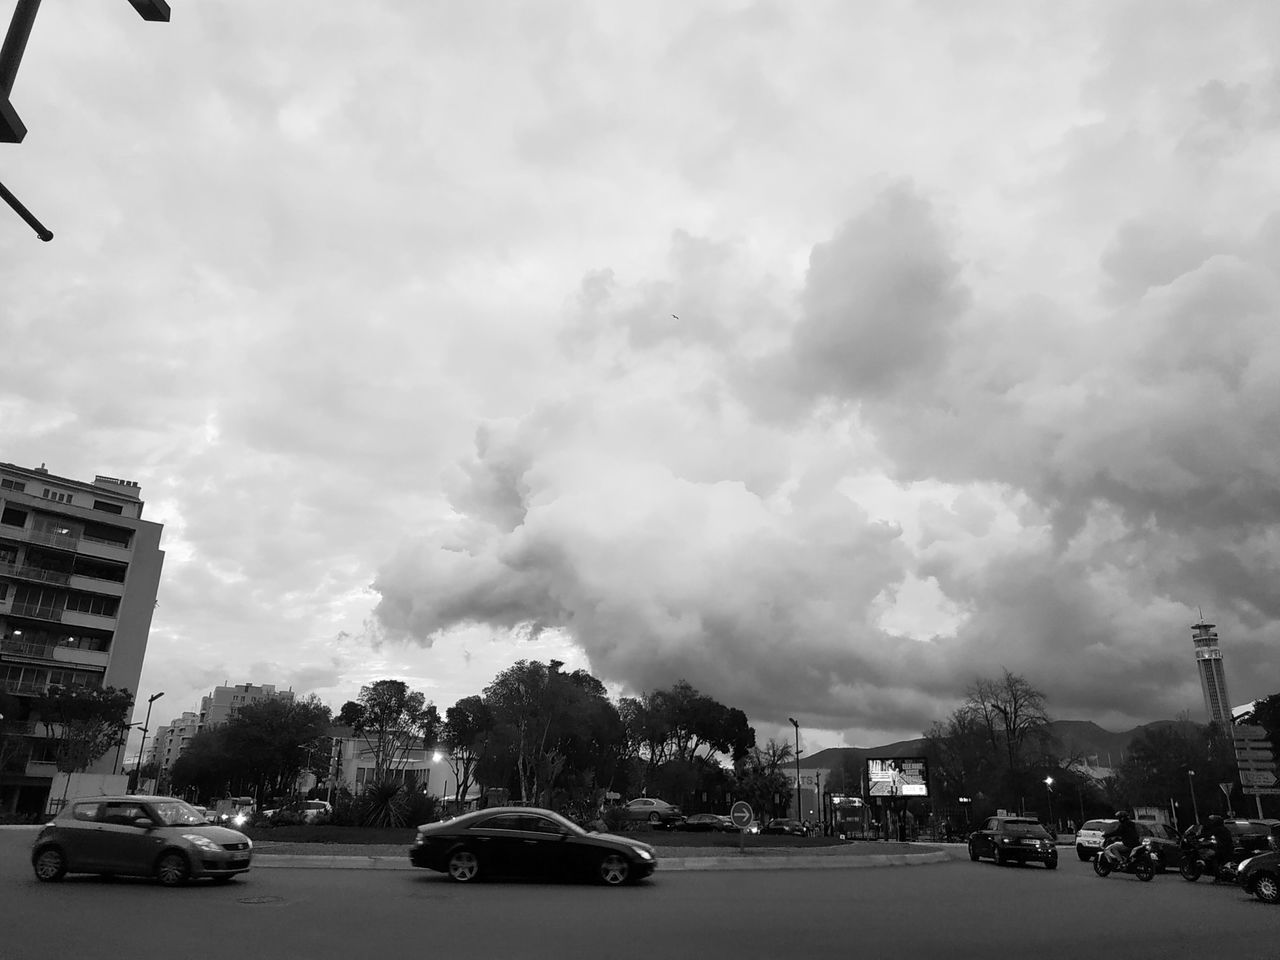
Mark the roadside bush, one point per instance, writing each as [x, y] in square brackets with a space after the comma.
[616, 820]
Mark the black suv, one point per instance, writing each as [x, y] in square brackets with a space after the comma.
[1016, 839]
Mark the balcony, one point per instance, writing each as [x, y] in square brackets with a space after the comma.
[24, 572]
[60, 541]
[24, 688]
[41, 768]
[25, 648]
[35, 611]
[96, 621]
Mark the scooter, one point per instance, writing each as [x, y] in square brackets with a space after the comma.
[1138, 863]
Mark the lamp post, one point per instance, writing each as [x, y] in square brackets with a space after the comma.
[146, 726]
[1048, 792]
[799, 816]
[1195, 808]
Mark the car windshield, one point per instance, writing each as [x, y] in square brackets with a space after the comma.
[1021, 829]
[174, 813]
[1247, 829]
[1097, 825]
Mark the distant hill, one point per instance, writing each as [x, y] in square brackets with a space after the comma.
[1077, 738]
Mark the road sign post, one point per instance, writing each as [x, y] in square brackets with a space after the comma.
[741, 814]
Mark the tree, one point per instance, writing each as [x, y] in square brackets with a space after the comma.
[270, 740]
[1011, 712]
[468, 725]
[391, 719]
[15, 748]
[82, 723]
[761, 781]
[208, 765]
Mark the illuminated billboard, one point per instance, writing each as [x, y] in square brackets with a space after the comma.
[898, 777]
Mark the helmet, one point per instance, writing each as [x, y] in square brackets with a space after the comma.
[1123, 815]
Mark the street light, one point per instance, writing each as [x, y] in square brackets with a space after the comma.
[1048, 792]
[146, 726]
[797, 726]
[1195, 808]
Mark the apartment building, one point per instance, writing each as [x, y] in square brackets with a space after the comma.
[219, 706]
[79, 573]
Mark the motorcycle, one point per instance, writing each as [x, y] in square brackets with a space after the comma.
[1199, 859]
[1138, 863]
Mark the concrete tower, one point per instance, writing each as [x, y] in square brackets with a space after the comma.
[1213, 679]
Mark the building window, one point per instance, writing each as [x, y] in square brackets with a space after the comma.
[56, 496]
[15, 485]
[107, 507]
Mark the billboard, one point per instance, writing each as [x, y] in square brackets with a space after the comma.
[898, 777]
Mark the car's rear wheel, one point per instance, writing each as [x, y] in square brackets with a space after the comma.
[615, 870]
[464, 866]
[1267, 888]
[1082, 853]
[50, 865]
[973, 851]
[654, 818]
[172, 869]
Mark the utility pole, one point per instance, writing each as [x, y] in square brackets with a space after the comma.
[797, 726]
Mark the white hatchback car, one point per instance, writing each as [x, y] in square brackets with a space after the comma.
[1089, 837]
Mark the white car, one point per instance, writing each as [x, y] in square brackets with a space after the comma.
[1089, 837]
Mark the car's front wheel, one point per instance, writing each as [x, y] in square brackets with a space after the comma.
[172, 869]
[464, 866]
[1267, 888]
[973, 851]
[50, 865]
[615, 870]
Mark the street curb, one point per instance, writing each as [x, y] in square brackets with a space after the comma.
[665, 864]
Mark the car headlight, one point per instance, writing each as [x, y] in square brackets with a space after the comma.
[420, 839]
[643, 854]
[204, 843]
[1244, 863]
[239, 819]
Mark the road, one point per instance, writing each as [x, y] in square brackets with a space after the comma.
[957, 909]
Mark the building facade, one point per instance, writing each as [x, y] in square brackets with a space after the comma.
[79, 574]
[216, 708]
[1213, 678]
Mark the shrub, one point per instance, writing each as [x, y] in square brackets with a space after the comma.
[616, 820]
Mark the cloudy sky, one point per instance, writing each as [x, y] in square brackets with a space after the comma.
[827, 355]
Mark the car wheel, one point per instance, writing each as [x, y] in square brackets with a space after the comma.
[614, 869]
[50, 865]
[172, 869]
[1051, 863]
[1082, 853]
[655, 819]
[1267, 888]
[464, 866]
[973, 851]
[1000, 858]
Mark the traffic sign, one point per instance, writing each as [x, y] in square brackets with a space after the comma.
[1262, 791]
[1257, 778]
[741, 814]
[1245, 731]
[1226, 788]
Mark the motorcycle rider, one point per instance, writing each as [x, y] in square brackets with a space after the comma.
[1127, 838]
[1217, 838]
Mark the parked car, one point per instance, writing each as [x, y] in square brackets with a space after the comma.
[528, 842]
[784, 825]
[138, 836]
[707, 822]
[209, 815]
[309, 810]
[1014, 839]
[1089, 836]
[1260, 873]
[235, 811]
[1249, 836]
[652, 810]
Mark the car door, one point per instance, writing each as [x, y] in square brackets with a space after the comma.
[126, 847]
[988, 837]
[498, 843]
[81, 835]
[547, 848]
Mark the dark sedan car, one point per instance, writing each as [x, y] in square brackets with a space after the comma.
[1260, 873]
[786, 826]
[708, 822]
[525, 842]
[1014, 840]
[1249, 836]
[132, 836]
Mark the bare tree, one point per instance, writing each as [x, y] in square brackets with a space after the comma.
[1010, 712]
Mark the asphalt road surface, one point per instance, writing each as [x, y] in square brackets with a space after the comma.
[957, 909]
